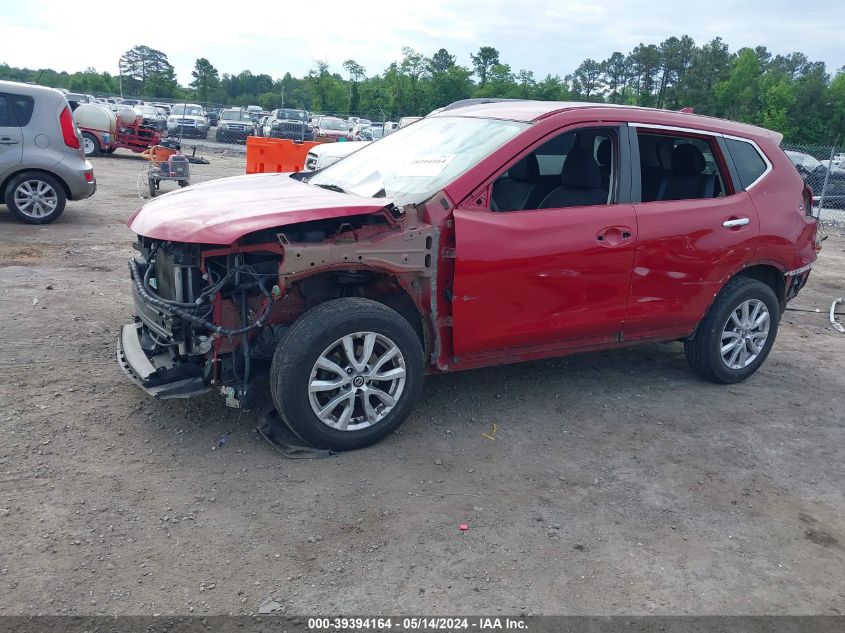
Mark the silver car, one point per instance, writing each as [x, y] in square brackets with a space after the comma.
[42, 164]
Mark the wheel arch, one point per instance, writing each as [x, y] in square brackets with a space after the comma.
[375, 284]
[46, 172]
[767, 272]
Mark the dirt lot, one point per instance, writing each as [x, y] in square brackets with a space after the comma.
[617, 482]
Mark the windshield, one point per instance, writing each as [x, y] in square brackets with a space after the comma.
[333, 124]
[414, 163]
[187, 110]
[296, 115]
[235, 115]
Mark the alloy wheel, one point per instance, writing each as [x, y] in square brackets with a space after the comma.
[745, 333]
[36, 198]
[357, 381]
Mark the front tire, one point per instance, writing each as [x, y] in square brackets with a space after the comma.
[35, 197]
[347, 374]
[736, 336]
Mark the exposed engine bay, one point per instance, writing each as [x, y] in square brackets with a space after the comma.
[212, 317]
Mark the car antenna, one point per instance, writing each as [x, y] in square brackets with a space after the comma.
[182, 126]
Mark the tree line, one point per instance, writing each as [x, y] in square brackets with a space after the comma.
[788, 93]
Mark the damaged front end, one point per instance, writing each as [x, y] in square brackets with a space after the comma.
[211, 316]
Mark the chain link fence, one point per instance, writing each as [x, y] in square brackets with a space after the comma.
[823, 168]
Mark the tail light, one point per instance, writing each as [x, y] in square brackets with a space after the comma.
[68, 129]
[807, 201]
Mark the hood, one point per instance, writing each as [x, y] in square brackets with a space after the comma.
[337, 150]
[222, 211]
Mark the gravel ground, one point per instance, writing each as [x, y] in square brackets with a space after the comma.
[617, 483]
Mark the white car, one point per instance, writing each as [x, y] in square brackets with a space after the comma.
[326, 154]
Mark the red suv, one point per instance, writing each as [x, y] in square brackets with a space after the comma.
[488, 234]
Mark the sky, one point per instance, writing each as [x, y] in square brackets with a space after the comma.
[277, 37]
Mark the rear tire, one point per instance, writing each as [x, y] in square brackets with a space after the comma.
[728, 347]
[90, 145]
[35, 197]
[372, 398]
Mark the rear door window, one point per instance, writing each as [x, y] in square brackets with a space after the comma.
[7, 117]
[679, 167]
[23, 108]
[749, 164]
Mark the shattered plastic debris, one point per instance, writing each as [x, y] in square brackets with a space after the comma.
[492, 434]
[833, 320]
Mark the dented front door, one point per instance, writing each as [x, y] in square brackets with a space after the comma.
[531, 282]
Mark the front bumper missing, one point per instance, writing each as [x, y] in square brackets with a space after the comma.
[159, 376]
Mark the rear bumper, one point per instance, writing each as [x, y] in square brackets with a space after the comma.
[75, 174]
[160, 375]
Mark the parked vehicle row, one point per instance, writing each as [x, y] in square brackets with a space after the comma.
[824, 179]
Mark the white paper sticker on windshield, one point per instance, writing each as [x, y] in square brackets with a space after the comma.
[425, 165]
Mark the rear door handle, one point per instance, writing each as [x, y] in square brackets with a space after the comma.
[8, 141]
[734, 222]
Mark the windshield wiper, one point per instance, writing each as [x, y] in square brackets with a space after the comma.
[333, 188]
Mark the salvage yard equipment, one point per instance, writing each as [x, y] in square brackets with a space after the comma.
[103, 131]
[268, 155]
[167, 163]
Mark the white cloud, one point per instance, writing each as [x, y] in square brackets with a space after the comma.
[544, 36]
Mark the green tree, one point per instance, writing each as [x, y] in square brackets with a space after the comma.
[526, 83]
[776, 100]
[142, 64]
[587, 80]
[450, 85]
[836, 97]
[486, 58]
[415, 67]
[738, 96]
[645, 63]
[500, 83]
[676, 55]
[442, 61]
[616, 71]
[710, 65]
[356, 73]
[206, 80]
[552, 88]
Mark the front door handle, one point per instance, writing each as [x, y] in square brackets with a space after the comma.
[614, 235]
[735, 222]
